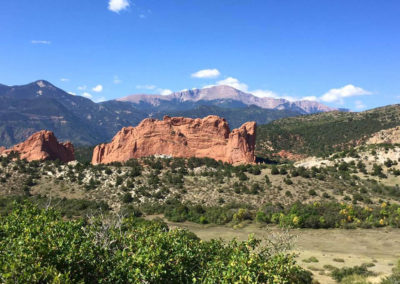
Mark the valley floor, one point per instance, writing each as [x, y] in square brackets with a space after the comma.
[335, 247]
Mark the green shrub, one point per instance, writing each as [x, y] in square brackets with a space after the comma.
[274, 170]
[38, 246]
[127, 198]
[339, 273]
[311, 259]
[312, 192]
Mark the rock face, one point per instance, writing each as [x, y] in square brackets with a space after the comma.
[43, 145]
[181, 137]
[387, 136]
[289, 155]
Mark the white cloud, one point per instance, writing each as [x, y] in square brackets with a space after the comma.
[206, 73]
[234, 83]
[117, 80]
[98, 88]
[337, 95]
[40, 42]
[332, 96]
[72, 93]
[146, 87]
[265, 94]
[82, 88]
[100, 99]
[87, 95]
[310, 98]
[161, 91]
[165, 92]
[118, 5]
[64, 80]
[359, 105]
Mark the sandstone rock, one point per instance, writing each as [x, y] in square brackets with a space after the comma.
[181, 137]
[2, 149]
[43, 145]
[289, 155]
[387, 136]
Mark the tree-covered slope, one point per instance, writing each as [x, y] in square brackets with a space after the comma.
[323, 133]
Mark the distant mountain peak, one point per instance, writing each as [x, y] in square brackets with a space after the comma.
[225, 93]
[43, 84]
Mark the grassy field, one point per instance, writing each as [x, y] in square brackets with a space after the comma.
[335, 247]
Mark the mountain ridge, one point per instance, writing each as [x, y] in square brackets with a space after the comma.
[224, 92]
[26, 109]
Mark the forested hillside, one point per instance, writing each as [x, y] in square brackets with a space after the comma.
[324, 133]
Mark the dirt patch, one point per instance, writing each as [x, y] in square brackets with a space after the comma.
[336, 247]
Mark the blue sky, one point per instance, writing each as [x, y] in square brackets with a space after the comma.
[344, 53]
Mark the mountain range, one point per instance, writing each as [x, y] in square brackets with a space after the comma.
[224, 96]
[25, 109]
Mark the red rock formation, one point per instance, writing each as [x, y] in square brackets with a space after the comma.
[289, 155]
[43, 145]
[2, 149]
[181, 137]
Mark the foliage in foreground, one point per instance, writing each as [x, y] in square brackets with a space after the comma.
[38, 246]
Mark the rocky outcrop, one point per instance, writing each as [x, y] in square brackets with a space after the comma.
[181, 137]
[289, 155]
[387, 136]
[43, 145]
[2, 149]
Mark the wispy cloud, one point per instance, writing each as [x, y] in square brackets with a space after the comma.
[82, 88]
[98, 88]
[332, 96]
[117, 80]
[118, 5]
[310, 98]
[72, 93]
[359, 105]
[164, 92]
[234, 83]
[87, 95]
[206, 73]
[265, 94]
[40, 41]
[100, 99]
[337, 95]
[145, 87]
[64, 80]
[161, 91]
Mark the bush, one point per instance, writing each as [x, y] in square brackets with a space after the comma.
[38, 246]
[274, 170]
[311, 259]
[339, 273]
[127, 198]
[312, 192]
